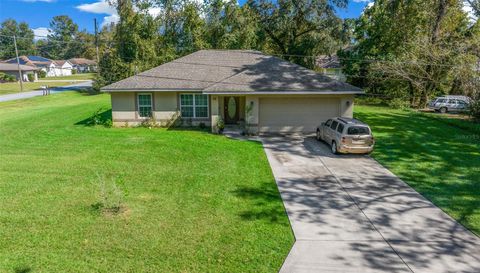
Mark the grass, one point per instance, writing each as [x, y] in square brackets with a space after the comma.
[192, 201]
[79, 76]
[438, 156]
[14, 87]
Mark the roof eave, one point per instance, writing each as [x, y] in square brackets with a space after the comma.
[310, 92]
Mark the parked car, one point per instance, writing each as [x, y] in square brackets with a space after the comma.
[346, 135]
[450, 104]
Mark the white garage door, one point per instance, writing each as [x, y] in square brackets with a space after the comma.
[295, 114]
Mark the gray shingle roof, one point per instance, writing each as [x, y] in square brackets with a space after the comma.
[225, 71]
[14, 67]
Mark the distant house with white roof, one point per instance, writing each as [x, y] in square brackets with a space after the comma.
[51, 67]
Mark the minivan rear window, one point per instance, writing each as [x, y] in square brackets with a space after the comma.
[358, 130]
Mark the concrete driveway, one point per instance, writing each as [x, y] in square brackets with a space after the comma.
[350, 214]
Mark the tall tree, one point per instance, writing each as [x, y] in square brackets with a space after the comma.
[63, 32]
[25, 39]
[300, 27]
[411, 49]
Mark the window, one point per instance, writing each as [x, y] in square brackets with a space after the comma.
[340, 128]
[328, 123]
[334, 125]
[145, 105]
[194, 105]
[358, 130]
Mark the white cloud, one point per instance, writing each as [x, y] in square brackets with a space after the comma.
[40, 33]
[362, 1]
[100, 7]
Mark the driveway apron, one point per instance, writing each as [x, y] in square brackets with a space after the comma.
[350, 214]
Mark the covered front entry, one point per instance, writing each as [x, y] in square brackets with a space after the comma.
[233, 109]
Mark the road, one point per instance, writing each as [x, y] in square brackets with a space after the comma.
[55, 90]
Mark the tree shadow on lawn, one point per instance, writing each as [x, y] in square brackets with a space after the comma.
[99, 117]
[265, 204]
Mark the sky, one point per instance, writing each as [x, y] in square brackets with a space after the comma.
[38, 13]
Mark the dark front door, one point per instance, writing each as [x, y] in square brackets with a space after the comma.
[231, 109]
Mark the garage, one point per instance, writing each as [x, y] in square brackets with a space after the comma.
[295, 114]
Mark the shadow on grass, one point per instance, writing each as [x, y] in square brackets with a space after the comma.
[265, 204]
[100, 117]
[22, 269]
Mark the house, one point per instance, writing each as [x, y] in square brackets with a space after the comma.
[63, 68]
[248, 87]
[12, 69]
[51, 67]
[329, 65]
[82, 65]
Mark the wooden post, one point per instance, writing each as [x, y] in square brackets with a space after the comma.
[18, 64]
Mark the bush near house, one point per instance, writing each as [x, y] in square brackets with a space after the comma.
[7, 78]
[42, 74]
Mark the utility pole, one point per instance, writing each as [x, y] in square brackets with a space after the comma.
[18, 64]
[96, 41]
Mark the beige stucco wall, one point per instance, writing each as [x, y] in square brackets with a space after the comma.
[166, 110]
[123, 108]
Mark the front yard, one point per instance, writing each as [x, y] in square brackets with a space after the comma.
[192, 201]
[437, 155]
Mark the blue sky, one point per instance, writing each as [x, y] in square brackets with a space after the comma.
[38, 13]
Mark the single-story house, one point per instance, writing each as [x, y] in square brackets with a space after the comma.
[329, 65]
[63, 68]
[83, 65]
[51, 67]
[239, 86]
[12, 69]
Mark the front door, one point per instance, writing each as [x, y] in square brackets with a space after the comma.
[231, 109]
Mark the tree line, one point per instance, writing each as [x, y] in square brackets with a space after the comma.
[64, 40]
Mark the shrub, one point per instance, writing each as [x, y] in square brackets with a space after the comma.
[42, 74]
[7, 78]
[74, 71]
[31, 77]
[399, 103]
[474, 108]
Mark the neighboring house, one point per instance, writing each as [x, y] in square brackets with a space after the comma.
[51, 67]
[331, 67]
[63, 68]
[239, 86]
[12, 69]
[83, 65]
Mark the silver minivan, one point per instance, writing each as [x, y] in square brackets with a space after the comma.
[450, 104]
[346, 135]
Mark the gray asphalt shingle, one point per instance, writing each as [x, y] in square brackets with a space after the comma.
[220, 71]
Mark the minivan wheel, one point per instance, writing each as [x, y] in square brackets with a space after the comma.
[334, 148]
[443, 110]
[318, 135]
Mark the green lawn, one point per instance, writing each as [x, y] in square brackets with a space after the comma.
[79, 76]
[14, 87]
[436, 155]
[192, 201]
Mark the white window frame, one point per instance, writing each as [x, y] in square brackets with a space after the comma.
[138, 104]
[195, 105]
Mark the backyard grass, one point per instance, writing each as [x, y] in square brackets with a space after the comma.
[438, 156]
[14, 87]
[191, 201]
